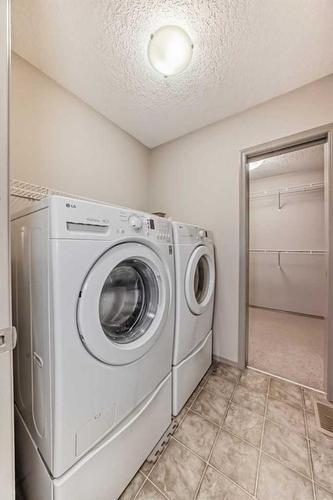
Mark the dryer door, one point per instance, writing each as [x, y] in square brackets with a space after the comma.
[123, 304]
[200, 280]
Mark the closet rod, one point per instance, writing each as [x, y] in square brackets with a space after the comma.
[278, 253]
[303, 188]
[292, 252]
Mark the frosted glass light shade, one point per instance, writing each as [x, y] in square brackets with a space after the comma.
[170, 50]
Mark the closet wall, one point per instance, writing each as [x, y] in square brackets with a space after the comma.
[60, 142]
[288, 281]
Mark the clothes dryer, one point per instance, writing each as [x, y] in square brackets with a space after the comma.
[195, 285]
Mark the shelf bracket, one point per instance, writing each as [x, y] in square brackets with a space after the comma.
[279, 200]
[279, 260]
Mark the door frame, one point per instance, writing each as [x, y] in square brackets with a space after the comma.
[7, 479]
[289, 143]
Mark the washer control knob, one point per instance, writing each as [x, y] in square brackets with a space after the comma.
[201, 234]
[135, 222]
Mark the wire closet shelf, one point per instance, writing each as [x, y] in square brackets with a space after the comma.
[279, 252]
[301, 188]
[24, 194]
[292, 252]
[279, 192]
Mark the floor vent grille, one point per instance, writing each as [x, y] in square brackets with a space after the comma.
[324, 417]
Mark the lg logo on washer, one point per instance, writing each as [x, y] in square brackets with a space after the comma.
[70, 205]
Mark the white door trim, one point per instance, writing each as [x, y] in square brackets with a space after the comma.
[7, 483]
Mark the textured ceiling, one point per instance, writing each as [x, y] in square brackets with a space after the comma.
[311, 158]
[245, 52]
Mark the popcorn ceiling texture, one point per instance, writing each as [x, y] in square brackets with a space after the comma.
[301, 160]
[245, 52]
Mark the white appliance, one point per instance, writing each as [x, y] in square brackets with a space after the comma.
[93, 289]
[195, 286]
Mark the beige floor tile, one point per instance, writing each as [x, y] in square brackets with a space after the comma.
[206, 376]
[286, 415]
[285, 391]
[211, 406]
[146, 467]
[149, 492]
[277, 482]
[287, 446]
[322, 459]
[236, 459]
[193, 396]
[323, 494]
[254, 381]
[219, 386]
[181, 414]
[310, 397]
[178, 472]
[254, 401]
[217, 487]
[316, 435]
[197, 433]
[244, 423]
[227, 371]
[133, 487]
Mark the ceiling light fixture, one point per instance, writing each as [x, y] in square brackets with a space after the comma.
[170, 50]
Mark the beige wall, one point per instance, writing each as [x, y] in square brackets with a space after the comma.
[196, 179]
[60, 142]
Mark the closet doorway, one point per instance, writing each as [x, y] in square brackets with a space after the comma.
[286, 265]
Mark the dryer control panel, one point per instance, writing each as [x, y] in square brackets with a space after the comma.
[188, 233]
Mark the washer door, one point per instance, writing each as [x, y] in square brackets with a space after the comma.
[123, 304]
[199, 280]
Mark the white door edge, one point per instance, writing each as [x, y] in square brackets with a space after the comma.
[7, 481]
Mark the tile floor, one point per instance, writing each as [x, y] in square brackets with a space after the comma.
[242, 435]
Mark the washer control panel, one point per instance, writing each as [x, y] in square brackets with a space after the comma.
[74, 218]
[163, 230]
[153, 227]
[135, 222]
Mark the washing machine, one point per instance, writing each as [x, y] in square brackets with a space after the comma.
[93, 294]
[195, 286]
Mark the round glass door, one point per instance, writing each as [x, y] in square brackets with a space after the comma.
[123, 303]
[128, 301]
[200, 279]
